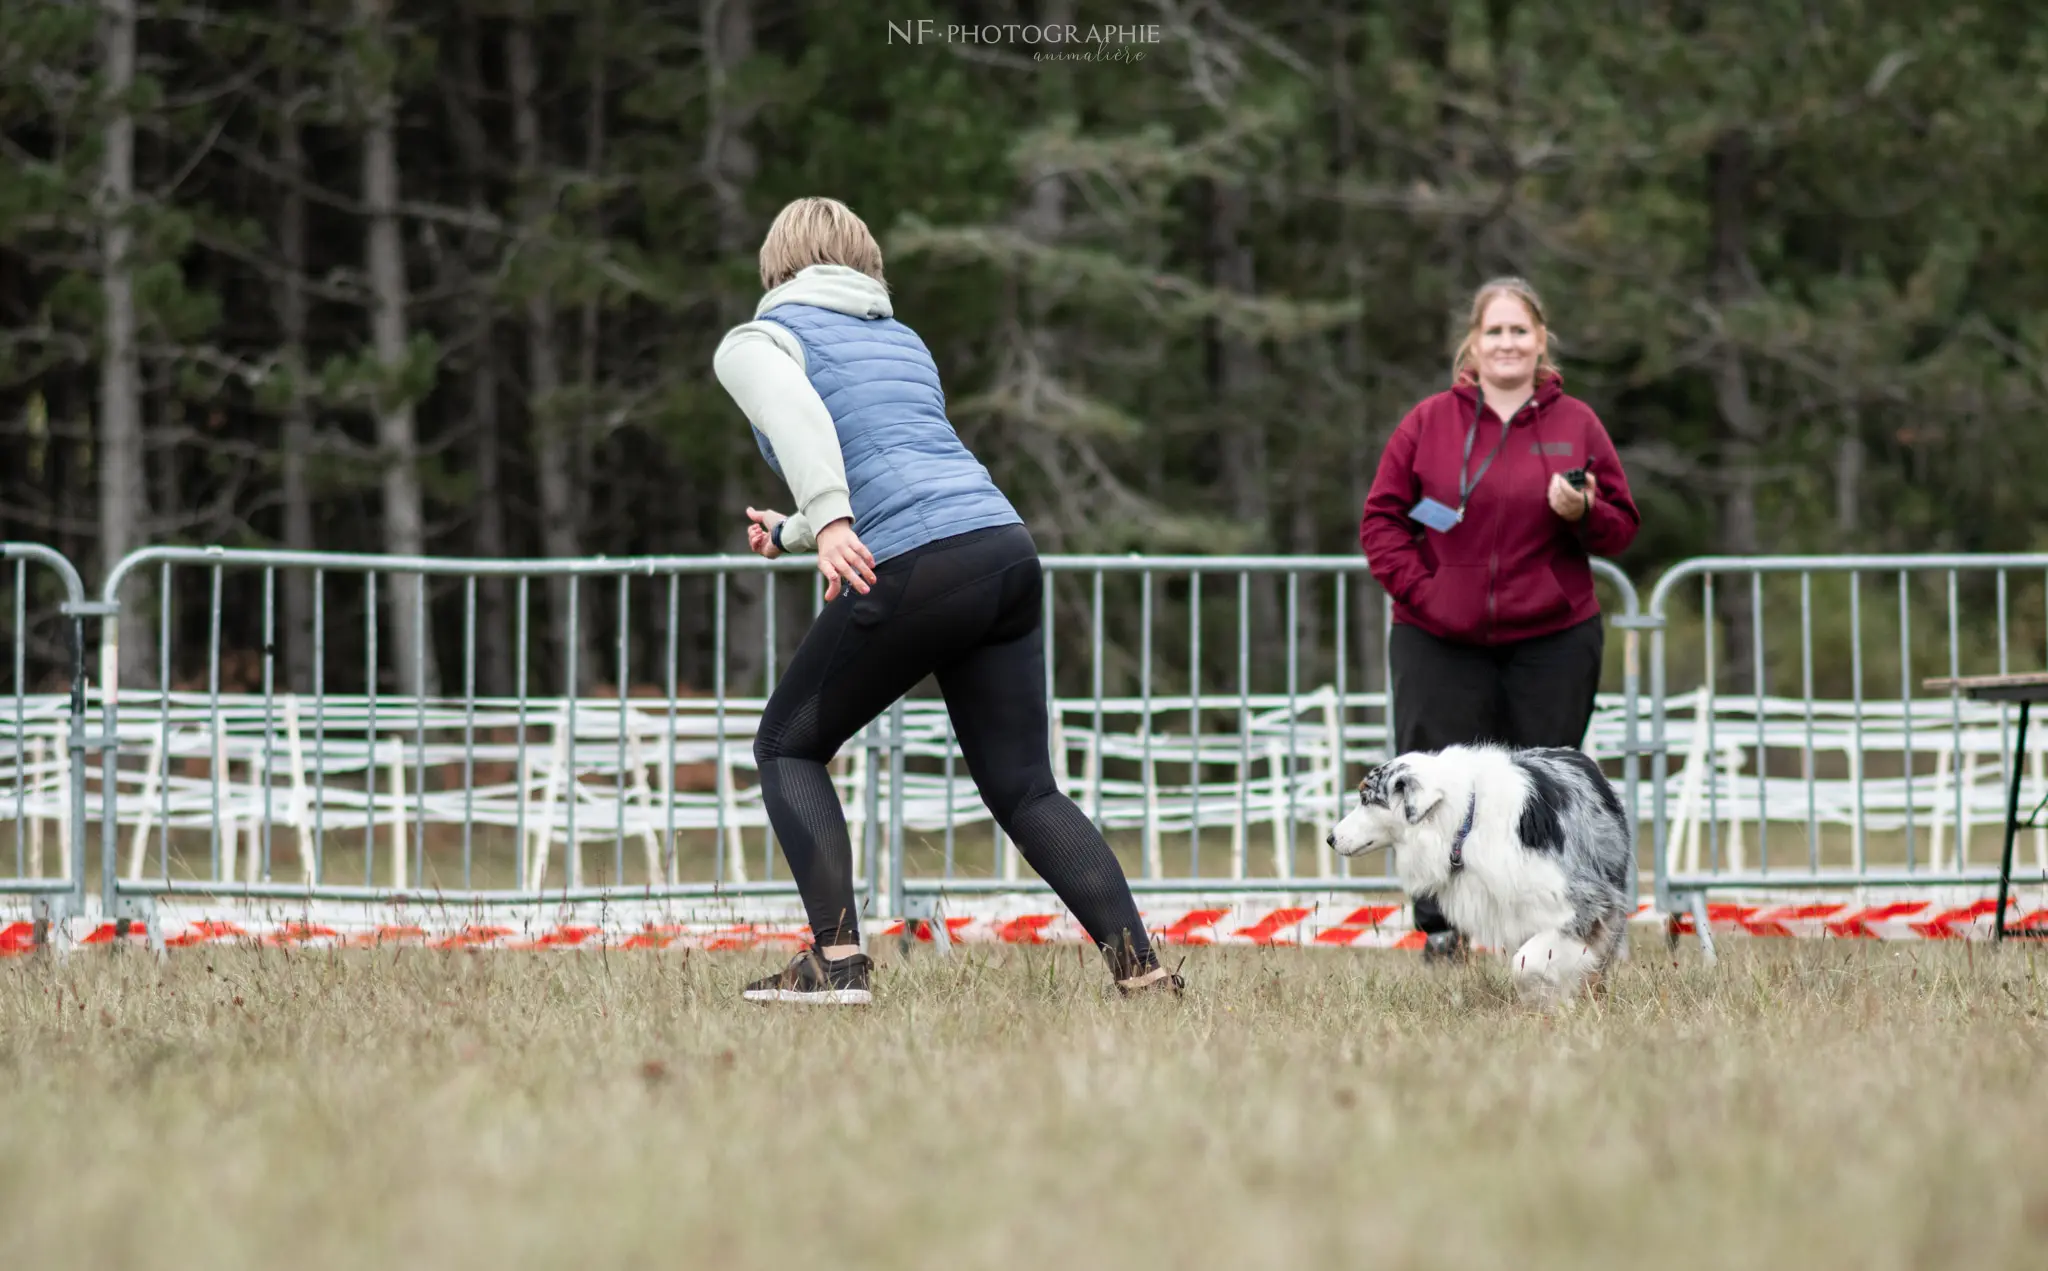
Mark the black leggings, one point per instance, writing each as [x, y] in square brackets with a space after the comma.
[1536, 692]
[966, 609]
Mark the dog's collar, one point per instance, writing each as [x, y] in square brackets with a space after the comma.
[1465, 830]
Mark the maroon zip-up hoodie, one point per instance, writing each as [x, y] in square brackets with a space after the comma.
[1512, 569]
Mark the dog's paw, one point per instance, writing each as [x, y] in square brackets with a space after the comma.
[1554, 970]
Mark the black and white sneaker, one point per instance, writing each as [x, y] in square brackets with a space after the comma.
[810, 978]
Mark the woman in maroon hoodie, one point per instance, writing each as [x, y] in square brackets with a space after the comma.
[1489, 502]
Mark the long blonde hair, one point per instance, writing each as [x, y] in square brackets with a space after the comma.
[815, 231]
[1464, 367]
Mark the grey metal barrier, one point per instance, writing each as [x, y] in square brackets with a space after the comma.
[45, 723]
[311, 745]
[429, 731]
[1786, 691]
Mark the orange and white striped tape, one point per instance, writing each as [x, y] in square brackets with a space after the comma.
[1315, 922]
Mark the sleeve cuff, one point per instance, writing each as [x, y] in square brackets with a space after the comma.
[1595, 528]
[796, 533]
[828, 506]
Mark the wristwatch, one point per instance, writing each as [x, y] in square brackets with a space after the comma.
[775, 535]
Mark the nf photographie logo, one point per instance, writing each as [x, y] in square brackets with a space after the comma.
[1049, 41]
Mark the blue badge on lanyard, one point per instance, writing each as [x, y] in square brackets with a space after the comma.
[1434, 514]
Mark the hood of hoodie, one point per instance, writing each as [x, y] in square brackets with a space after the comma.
[835, 287]
[1549, 387]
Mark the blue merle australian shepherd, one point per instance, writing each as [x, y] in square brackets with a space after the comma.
[1524, 850]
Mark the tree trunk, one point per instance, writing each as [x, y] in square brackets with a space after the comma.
[124, 497]
[590, 434]
[1364, 647]
[555, 469]
[1849, 458]
[593, 168]
[1237, 371]
[490, 539]
[495, 624]
[397, 443]
[729, 164]
[298, 419]
[1044, 220]
[1045, 210]
[1732, 278]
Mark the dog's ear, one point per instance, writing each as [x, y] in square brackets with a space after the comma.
[1375, 789]
[1418, 797]
[1372, 792]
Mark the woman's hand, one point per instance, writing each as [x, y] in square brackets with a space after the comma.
[1569, 503]
[842, 557]
[761, 532]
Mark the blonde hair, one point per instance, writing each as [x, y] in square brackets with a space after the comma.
[1464, 366]
[817, 231]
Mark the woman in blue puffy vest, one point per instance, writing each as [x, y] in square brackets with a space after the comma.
[929, 571]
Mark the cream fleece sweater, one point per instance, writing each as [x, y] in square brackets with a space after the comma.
[761, 364]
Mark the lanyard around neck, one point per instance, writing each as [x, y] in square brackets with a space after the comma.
[1466, 485]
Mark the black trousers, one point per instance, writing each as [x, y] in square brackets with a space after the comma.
[1529, 693]
[968, 610]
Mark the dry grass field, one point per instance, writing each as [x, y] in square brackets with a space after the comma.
[1836, 1104]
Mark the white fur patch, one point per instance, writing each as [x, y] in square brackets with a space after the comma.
[1552, 969]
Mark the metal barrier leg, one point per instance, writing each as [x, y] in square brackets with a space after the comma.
[1699, 924]
[895, 841]
[2012, 820]
[872, 842]
[930, 911]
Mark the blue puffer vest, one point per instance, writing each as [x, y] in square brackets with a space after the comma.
[908, 476]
